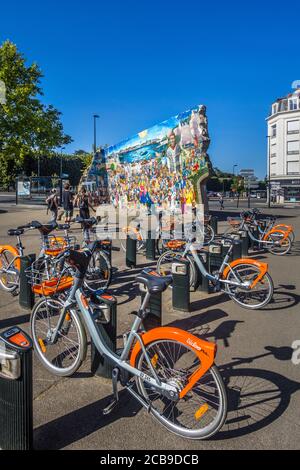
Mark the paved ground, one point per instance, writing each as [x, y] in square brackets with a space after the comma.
[254, 356]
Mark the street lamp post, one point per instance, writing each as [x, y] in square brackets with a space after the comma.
[95, 116]
[60, 175]
[269, 171]
[234, 166]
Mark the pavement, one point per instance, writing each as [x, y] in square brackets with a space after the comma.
[254, 357]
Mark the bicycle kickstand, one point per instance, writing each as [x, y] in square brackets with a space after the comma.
[115, 399]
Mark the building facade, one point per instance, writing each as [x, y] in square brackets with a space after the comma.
[284, 148]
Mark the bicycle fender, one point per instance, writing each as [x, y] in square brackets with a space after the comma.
[263, 268]
[206, 351]
[14, 252]
[285, 233]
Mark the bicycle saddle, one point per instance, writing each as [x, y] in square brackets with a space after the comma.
[15, 232]
[44, 229]
[153, 281]
[63, 226]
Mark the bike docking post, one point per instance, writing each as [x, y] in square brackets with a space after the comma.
[26, 296]
[202, 284]
[130, 252]
[154, 317]
[214, 223]
[150, 246]
[181, 285]
[16, 398]
[105, 309]
[244, 242]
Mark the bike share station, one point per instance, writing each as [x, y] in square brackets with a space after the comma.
[99, 310]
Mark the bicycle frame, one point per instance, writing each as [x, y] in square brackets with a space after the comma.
[76, 297]
[190, 248]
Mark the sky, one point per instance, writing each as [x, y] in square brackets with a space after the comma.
[136, 63]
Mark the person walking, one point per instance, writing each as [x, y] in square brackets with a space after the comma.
[84, 205]
[67, 203]
[221, 201]
[52, 202]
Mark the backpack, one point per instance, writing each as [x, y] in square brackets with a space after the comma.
[50, 202]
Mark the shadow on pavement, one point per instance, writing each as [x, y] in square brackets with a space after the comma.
[256, 397]
[83, 422]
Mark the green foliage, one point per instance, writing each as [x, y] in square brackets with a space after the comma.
[27, 126]
[85, 157]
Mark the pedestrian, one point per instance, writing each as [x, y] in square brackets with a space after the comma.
[52, 205]
[84, 205]
[221, 201]
[67, 203]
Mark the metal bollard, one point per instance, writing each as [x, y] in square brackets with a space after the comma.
[202, 283]
[216, 256]
[181, 285]
[26, 296]
[150, 246]
[154, 318]
[106, 309]
[245, 242]
[16, 398]
[130, 252]
[214, 224]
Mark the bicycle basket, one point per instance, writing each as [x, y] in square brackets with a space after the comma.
[175, 244]
[60, 243]
[47, 281]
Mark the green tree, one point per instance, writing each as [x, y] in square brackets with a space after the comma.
[27, 126]
[85, 157]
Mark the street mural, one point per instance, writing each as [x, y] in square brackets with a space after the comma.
[165, 164]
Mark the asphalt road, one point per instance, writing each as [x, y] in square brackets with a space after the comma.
[254, 357]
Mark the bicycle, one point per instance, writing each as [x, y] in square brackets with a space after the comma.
[99, 273]
[246, 281]
[167, 370]
[266, 224]
[274, 240]
[10, 256]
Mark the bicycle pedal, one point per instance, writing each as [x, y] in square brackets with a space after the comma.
[110, 407]
[15, 293]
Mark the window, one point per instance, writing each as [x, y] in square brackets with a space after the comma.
[274, 130]
[293, 168]
[293, 147]
[274, 108]
[293, 104]
[293, 127]
[283, 105]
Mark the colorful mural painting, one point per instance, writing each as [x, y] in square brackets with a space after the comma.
[165, 164]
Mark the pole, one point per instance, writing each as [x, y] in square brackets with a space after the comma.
[38, 174]
[269, 171]
[95, 133]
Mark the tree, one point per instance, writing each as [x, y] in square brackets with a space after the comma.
[85, 157]
[27, 126]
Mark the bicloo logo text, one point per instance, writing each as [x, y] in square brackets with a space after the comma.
[193, 344]
[296, 353]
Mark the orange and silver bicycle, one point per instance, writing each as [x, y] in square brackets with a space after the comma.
[245, 280]
[167, 370]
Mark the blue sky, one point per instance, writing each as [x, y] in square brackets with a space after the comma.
[136, 63]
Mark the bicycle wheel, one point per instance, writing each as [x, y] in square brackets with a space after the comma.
[255, 298]
[279, 246]
[165, 261]
[209, 234]
[9, 281]
[99, 272]
[202, 412]
[65, 356]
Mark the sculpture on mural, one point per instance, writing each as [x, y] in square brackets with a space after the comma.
[167, 163]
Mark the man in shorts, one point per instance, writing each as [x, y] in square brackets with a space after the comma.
[67, 203]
